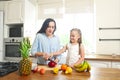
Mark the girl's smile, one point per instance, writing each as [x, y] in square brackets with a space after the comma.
[74, 36]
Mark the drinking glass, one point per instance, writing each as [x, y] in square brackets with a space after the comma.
[34, 63]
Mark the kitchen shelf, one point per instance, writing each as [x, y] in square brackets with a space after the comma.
[109, 39]
[109, 28]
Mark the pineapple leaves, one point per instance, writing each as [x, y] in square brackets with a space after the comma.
[25, 47]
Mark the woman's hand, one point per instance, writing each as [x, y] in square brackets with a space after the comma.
[45, 56]
[56, 60]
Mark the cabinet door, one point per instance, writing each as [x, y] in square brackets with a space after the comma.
[14, 12]
[1, 35]
[115, 64]
[101, 64]
[1, 5]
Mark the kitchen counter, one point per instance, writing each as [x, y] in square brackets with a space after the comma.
[94, 74]
[102, 57]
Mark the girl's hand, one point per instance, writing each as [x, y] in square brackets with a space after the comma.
[51, 55]
[72, 65]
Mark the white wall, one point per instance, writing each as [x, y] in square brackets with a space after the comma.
[108, 15]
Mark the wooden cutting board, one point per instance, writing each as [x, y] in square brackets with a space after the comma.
[47, 67]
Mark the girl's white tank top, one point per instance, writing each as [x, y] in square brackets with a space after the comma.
[73, 54]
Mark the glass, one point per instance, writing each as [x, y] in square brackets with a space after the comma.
[34, 63]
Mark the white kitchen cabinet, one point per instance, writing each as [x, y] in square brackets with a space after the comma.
[21, 12]
[116, 64]
[30, 19]
[1, 35]
[107, 16]
[14, 10]
[2, 5]
[99, 63]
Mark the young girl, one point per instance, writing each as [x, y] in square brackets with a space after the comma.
[75, 48]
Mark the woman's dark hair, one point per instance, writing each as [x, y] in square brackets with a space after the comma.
[46, 24]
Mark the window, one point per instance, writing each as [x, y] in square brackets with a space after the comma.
[73, 14]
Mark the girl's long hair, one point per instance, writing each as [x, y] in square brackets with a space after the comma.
[80, 34]
[45, 25]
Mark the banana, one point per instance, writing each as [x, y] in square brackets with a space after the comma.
[78, 66]
[88, 66]
[83, 68]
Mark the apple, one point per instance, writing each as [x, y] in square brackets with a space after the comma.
[42, 71]
[52, 64]
[35, 69]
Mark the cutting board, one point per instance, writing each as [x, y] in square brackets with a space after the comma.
[46, 67]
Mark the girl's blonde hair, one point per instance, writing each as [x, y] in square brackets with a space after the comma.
[80, 34]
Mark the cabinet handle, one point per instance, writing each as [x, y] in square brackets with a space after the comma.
[109, 39]
[109, 28]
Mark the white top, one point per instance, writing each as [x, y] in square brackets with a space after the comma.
[73, 54]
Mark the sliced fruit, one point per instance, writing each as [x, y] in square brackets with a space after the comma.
[35, 69]
[55, 70]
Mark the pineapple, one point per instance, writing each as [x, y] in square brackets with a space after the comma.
[25, 63]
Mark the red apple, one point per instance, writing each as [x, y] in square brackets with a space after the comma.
[52, 64]
[42, 71]
[35, 69]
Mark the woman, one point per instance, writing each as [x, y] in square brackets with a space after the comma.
[46, 42]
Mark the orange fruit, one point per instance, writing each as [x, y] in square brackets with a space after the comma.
[42, 71]
[63, 67]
